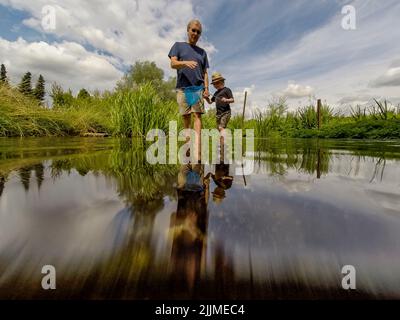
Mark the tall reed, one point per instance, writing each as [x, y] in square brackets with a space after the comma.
[134, 113]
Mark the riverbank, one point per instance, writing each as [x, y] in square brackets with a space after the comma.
[24, 116]
[135, 112]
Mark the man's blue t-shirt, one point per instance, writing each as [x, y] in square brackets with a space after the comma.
[186, 52]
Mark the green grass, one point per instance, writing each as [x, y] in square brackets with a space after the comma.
[132, 113]
[135, 112]
[380, 121]
[363, 129]
[23, 116]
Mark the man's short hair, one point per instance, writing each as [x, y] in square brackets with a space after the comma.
[192, 22]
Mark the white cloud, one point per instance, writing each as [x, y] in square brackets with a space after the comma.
[251, 106]
[126, 30]
[391, 77]
[295, 90]
[67, 63]
[129, 30]
[359, 99]
[329, 59]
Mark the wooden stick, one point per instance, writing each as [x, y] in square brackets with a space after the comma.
[319, 106]
[244, 109]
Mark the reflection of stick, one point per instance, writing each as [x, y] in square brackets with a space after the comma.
[251, 272]
[244, 178]
[244, 109]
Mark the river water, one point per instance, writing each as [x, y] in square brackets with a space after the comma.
[114, 226]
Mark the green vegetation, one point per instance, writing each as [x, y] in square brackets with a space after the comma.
[25, 86]
[135, 112]
[379, 121]
[40, 90]
[144, 100]
[24, 116]
[147, 72]
[3, 75]
[362, 129]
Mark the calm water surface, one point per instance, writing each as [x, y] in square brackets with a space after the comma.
[115, 226]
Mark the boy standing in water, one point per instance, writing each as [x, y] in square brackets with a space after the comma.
[222, 98]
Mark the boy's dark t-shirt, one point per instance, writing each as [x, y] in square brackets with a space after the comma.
[186, 52]
[222, 93]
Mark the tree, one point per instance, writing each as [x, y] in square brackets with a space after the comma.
[25, 86]
[3, 75]
[146, 71]
[57, 94]
[83, 94]
[167, 89]
[61, 98]
[39, 91]
[140, 73]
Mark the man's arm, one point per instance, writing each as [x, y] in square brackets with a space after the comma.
[176, 64]
[206, 92]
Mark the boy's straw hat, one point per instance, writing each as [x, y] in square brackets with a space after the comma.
[216, 76]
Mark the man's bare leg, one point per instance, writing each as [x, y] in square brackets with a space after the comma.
[197, 129]
[186, 124]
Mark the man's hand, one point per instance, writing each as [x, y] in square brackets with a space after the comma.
[191, 64]
[206, 93]
[176, 64]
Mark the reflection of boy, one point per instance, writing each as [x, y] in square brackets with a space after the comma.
[223, 181]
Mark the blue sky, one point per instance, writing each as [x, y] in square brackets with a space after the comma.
[271, 48]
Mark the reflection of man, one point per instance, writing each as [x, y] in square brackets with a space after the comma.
[188, 227]
[191, 63]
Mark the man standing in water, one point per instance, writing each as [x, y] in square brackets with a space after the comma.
[191, 63]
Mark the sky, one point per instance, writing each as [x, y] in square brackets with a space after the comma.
[270, 48]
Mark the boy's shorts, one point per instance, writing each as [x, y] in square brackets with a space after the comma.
[223, 119]
[184, 108]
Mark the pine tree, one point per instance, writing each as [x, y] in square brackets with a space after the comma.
[3, 75]
[25, 86]
[39, 91]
